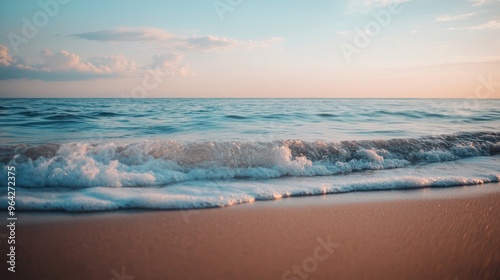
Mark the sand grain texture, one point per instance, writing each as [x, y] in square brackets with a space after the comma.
[455, 238]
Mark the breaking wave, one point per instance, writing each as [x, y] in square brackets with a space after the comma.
[162, 162]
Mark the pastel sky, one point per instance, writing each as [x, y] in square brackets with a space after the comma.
[244, 48]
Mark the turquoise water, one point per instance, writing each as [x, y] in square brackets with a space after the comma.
[64, 120]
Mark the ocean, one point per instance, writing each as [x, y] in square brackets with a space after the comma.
[109, 154]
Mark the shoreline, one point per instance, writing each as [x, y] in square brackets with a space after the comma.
[343, 198]
[429, 233]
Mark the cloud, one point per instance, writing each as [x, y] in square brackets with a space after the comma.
[492, 24]
[113, 64]
[62, 65]
[5, 58]
[170, 65]
[482, 2]
[456, 17]
[67, 66]
[125, 34]
[173, 42]
[67, 61]
[212, 43]
[206, 43]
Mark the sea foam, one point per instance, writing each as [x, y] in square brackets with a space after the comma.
[221, 193]
[159, 174]
[161, 162]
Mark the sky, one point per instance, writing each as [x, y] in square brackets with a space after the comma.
[244, 48]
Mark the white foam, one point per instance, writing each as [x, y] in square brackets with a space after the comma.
[219, 193]
[153, 163]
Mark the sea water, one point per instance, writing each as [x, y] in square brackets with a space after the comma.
[105, 154]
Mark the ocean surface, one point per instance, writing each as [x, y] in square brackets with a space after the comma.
[106, 154]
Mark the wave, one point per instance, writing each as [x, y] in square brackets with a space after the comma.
[221, 193]
[164, 162]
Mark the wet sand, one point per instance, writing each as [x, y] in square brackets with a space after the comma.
[442, 237]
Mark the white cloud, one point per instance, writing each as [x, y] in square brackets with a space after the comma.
[456, 17]
[66, 61]
[5, 58]
[64, 65]
[170, 65]
[174, 42]
[125, 34]
[206, 43]
[113, 64]
[492, 24]
[482, 2]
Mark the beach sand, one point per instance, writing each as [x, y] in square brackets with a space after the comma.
[429, 237]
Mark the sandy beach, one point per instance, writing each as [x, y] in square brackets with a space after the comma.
[430, 236]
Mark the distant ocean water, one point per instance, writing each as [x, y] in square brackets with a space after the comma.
[105, 154]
